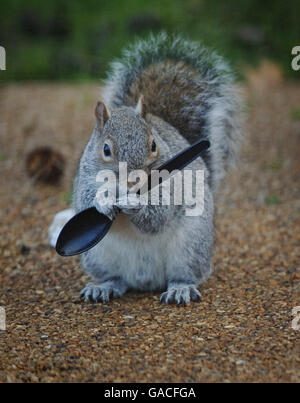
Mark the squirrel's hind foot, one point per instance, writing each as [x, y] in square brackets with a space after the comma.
[180, 294]
[102, 292]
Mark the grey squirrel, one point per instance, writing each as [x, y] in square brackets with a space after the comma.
[163, 94]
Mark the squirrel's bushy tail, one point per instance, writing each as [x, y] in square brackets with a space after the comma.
[185, 84]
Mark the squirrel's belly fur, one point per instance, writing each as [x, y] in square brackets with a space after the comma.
[140, 258]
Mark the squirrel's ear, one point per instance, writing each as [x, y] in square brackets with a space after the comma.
[141, 107]
[102, 115]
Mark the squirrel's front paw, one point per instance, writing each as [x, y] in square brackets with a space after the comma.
[102, 292]
[105, 206]
[129, 204]
[180, 294]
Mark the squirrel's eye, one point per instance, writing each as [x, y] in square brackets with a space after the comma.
[106, 150]
[153, 146]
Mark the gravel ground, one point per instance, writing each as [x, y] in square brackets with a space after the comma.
[241, 331]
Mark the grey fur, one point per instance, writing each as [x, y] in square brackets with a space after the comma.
[214, 113]
[158, 247]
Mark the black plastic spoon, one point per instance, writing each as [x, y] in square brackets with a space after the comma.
[88, 227]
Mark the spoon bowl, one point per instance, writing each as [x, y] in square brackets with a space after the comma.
[82, 232]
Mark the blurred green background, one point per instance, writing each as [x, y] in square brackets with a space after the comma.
[76, 39]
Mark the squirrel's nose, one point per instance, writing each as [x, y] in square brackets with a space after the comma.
[131, 184]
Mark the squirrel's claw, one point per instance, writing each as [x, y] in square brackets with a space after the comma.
[100, 293]
[180, 294]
